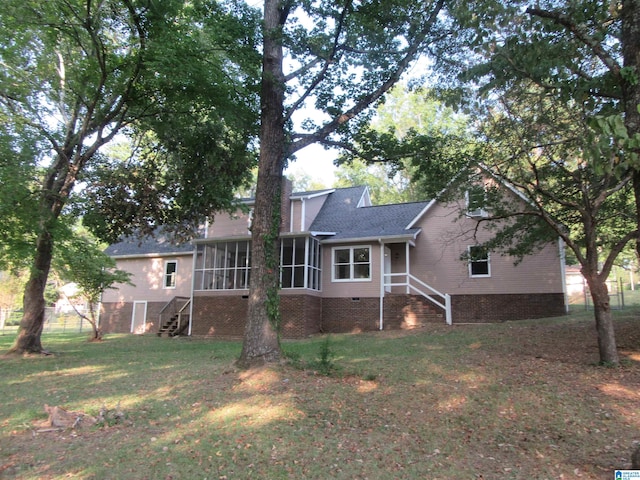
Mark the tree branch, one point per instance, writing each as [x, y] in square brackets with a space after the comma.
[581, 34]
[363, 103]
[615, 251]
[327, 63]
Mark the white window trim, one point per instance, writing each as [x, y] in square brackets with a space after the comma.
[478, 212]
[483, 275]
[351, 264]
[175, 275]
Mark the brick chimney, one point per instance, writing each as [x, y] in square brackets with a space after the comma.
[285, 204]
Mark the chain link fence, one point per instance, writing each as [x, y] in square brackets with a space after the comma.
[53, 323]
[621, 295]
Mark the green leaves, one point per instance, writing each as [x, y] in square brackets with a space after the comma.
[77, 74]
[419, 142]
[81, 260]
[629, 75]
[611, 148]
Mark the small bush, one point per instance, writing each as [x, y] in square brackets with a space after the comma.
[325, 364]
[293, 358]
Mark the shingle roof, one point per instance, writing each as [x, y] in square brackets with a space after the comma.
[160, 244]
[340, 214]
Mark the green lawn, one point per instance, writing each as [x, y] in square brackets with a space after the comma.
[517, 400]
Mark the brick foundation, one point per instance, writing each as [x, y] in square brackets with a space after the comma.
[500, 308]
[226, 316]
[301, 315]
[346, 315]
[304, 315]
[115, 317]
[403, 312]
[219, 316]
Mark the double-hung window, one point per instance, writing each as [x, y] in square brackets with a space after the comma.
[479, 262]
[351, 263]
[476, 198]
[170, 271]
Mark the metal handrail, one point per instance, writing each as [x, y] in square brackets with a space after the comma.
[445, 303]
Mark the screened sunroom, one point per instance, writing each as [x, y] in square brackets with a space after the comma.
[226, 264]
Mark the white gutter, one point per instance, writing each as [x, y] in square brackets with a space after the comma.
[389, 239]
[150, 255]
[231, 238]
[319, 193]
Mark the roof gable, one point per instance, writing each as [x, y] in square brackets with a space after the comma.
[348, 214]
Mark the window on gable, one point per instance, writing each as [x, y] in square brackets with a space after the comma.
[351, 263]
[479, 262]
[170, 270]
[476, 197]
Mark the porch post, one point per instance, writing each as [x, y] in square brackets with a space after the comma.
[406, 266]
[193, 285]
[382, 282]
[307, 248]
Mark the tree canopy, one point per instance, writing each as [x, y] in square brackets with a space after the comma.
[80, 74]
[411, 130]
[554, 92]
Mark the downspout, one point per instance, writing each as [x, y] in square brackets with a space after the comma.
[563, 273]
[382, 282]
[303, 213]
[193, 284]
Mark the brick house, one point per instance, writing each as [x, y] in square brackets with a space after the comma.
[346, 266]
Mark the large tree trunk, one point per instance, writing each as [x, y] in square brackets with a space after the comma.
[636, 193]
[261, 338]
[32, 323]
[604, 321]
[56, 188]
[630, 40]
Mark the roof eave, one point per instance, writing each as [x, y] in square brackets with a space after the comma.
[303, 195]
[199, 241]
[422, 212]
[150, 255]
[386, 238]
